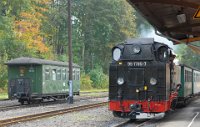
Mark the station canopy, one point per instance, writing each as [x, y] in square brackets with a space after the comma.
[177, 20]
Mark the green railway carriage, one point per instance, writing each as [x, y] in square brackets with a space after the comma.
[189, 78]
[36, 79]
[186, 90]
[196, 83]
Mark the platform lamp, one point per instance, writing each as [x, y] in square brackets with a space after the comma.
[181, 18]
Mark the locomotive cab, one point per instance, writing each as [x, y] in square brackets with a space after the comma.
[141, 79]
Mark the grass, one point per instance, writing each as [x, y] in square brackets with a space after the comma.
[95, 90]
[3, 95]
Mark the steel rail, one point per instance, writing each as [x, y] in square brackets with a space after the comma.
[122, 123]
[25, 118]
[9, 107]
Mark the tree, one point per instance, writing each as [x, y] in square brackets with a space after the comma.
[13, 13]
[100, 28]
[28, 28]
[96, 29]
[187, 56]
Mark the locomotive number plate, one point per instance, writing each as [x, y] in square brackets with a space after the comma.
[137, 64]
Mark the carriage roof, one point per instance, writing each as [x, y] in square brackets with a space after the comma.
[36, 61]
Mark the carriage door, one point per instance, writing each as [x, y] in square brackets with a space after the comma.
[12, 89]
[23, 86]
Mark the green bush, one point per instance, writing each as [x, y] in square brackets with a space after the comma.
[100, 80]
[3, 73]
[3, 77]
[86, 83]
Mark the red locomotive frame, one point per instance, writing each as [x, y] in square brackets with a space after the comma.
[146, 106]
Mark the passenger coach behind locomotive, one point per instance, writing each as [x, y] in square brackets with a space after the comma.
[141, 78]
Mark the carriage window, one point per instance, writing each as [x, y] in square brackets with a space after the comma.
[58, 75]
[47, 74]
[185, 76]
[188, 76]
[54, 74]
[64, 74]
[67, 74]
[77, 75]
[74, 75]
[196, 77]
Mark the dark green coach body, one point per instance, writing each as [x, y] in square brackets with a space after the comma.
[38, 78]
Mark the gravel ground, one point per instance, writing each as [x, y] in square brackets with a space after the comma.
[8, 103]
[34, 110]
[99, 117]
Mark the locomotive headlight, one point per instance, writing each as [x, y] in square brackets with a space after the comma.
[116, 54]
[120, 81]
[153, 81]
[136, 49]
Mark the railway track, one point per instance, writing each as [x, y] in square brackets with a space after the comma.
[140, 123]
[9, 107]
[122, 123]
[10, 121]
[136, 123]
[17, 106]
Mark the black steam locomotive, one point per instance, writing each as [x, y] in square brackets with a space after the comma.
[141, 79]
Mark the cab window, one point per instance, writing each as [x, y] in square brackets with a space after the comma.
[163, 54]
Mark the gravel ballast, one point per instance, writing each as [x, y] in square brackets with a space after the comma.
[97, 117]
[34, 110]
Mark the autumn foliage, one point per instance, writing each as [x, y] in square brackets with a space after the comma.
[28, 27]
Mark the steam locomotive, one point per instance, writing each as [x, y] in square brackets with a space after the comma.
[141, 79]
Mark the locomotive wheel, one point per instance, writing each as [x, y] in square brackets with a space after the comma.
[132, 120]
[174, 104]
[186, 101]
[22, 102]
[117, 114]
[28, 101]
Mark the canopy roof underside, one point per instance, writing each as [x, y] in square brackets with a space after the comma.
[163, 15]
